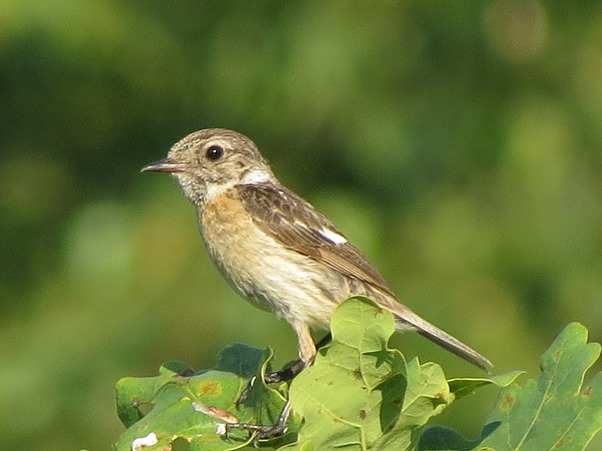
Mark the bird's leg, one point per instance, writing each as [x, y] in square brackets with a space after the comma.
[307, 357]
[286, 374]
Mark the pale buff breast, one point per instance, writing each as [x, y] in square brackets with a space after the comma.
[270, 276]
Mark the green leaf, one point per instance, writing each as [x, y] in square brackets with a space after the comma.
[554, 411]
[181, 404]
[361, 394]
[461, 387]
[136, 394]
[441, 438]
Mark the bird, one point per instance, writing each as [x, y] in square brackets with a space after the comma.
[275, 248]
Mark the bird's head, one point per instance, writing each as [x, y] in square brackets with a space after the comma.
[210, 161]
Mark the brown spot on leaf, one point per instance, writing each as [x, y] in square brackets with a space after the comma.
[378, 311]
[587, 391]
[508, 402]
[209, 389]
[357, 373]
[563, 441]
[363, 414]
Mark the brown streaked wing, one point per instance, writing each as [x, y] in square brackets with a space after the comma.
[295, 223]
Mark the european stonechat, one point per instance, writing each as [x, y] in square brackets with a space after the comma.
[274, 247]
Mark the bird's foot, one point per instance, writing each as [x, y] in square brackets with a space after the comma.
[285, 375]
[263, 431]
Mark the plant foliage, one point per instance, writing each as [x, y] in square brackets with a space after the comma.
[359, 394]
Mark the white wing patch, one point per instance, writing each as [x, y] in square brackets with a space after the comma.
[333, 237]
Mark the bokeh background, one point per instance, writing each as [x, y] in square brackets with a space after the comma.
[458, 144]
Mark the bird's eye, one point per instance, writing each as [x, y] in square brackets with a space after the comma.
[214, 153]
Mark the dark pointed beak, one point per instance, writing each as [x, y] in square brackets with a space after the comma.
[166, 165]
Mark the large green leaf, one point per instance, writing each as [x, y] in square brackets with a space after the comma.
[359, 394]
[554, 411]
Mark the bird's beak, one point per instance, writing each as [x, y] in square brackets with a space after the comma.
[166, 165]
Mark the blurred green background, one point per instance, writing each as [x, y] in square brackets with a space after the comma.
[458, 144]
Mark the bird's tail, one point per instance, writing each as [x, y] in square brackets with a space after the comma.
[407, 319]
